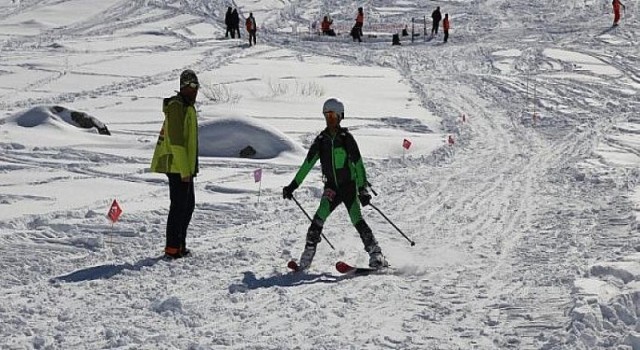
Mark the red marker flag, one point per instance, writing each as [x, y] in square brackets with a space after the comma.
[406, 144]
[114, 212]
[257, 175]
[450, 140]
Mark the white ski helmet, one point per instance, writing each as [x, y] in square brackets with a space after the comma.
[334, 105]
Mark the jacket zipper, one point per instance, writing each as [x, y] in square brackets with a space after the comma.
[333, 163]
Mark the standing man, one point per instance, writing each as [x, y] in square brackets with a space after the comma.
[227, 22]
[437, 17]
[356, 32]
[616, 11]
[235, 22]
[251, 28]
[345, 182]
[445, 27]
[176, 155]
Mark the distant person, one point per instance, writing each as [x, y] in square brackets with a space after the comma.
[176, 154]
[235, 23]
[251, 28]
[345, 183]
[616, 11]
[445, 27]
[356, 32]
[437, 17]
[326, 27]
[405, 31]
[395, 40]
[229, 24]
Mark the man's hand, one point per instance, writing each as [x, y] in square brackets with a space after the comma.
[364, 197]
[287, 191]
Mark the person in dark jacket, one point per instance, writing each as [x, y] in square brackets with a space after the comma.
[227, 22]
[437, 17]
[356, 31]
[235, 22]
[345, 183]
[176, 155]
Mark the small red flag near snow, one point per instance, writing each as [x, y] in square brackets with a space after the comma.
[406, 144]
[257, 175]
[114, 212]
[450, 140]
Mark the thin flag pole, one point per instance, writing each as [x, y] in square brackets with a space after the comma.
[113, 215]
[257, 177]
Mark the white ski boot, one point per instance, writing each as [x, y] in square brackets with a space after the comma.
[376, 259]
[307, 256]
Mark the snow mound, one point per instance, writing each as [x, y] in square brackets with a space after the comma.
[228, 136]
[55, 116]
[169, 306]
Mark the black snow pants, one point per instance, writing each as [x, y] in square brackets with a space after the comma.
[183, 202]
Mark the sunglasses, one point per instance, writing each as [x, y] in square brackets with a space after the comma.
[191, 85]
[330, 114]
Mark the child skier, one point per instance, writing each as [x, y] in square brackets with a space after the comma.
[345, 181]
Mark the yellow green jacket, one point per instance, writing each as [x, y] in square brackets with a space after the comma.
[177, 147]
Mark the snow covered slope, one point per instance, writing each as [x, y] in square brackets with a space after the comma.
[525, 225]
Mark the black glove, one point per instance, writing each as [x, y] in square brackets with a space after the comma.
[287, 191]
[364, 197]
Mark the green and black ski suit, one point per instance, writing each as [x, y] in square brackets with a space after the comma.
[344, 176]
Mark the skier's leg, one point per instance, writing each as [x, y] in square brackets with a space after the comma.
[327, 204]
[376, 259]
[190, 206]
[177, 209]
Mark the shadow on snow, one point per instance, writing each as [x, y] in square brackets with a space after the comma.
[104, 271]
[287, 280]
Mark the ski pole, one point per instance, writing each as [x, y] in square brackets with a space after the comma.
[392, 224]
[308, 217]
[371, 187]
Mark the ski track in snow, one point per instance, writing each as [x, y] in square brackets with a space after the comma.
[521, 209]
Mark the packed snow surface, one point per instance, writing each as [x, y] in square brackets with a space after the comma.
[519, 187]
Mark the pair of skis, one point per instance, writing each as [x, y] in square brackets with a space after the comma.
[341, 267]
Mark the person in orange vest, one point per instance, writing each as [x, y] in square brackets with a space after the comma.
[356, 32]
[616, 11]
[326, 27]
[251, 28]
[445, 26]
